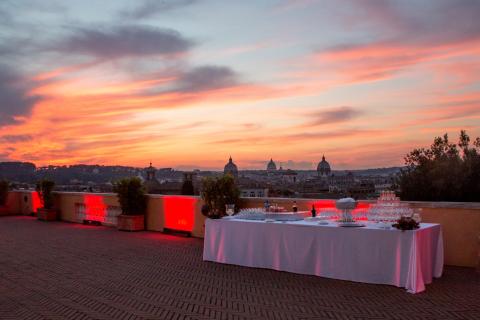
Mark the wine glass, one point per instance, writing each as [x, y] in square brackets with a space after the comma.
[230, 209]
[417, 216]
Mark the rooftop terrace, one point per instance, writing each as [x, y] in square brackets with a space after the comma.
[62, 270]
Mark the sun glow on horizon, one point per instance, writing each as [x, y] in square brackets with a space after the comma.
[372, 83]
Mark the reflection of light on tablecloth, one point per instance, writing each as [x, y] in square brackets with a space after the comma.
[179, 212]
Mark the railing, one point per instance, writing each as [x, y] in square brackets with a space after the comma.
[460, 221]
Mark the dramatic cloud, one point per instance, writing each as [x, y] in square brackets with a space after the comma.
[124, 41]
[427, 23]
[112, 84]
[15, 99]
[9, 138]
[206, 78]
[150, 8]
[405, 35]
[336, 115]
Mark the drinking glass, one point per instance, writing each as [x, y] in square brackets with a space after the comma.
[417, 216]
[230, 209]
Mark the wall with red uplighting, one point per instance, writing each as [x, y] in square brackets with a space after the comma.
[95, 207]
[179, 212]
[36, 201]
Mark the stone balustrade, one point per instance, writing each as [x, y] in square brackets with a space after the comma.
[460, 221]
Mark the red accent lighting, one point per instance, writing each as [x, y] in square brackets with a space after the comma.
[95, 208]
[179, 212]
[36, 201]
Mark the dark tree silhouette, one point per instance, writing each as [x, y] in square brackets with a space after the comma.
[187, 188]
[445, 172]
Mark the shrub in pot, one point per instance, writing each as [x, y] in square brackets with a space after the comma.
[218, 192]
[44, 189]
[133, 202]
[4, 186]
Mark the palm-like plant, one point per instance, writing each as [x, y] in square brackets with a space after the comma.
[216, 193]
[44, 188]
[131, 195]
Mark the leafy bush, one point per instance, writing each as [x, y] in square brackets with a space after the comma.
[445, 172]
[4, 186]
[131, 195]
[217, 192]
[44, 188]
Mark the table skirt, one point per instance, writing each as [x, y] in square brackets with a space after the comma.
[408, 259]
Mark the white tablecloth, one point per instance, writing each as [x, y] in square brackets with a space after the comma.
[408, 259]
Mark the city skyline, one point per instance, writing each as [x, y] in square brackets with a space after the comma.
[188, 83]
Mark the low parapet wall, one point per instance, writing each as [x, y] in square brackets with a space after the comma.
[460, 221]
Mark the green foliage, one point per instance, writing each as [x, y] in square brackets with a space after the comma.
[445, 172]
[4, 186]
[131, 195]
[217, 192]
[187, 188]
[44, 188]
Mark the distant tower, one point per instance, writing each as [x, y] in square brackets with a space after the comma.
[151, 184]
[150, 172]
[323, 168]
[271, 166]
[231, 168]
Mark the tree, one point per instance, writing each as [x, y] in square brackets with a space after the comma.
[217, 192]
[187, 188]
[131, 196]
[445, 172]
[44, 189]
[4, 187]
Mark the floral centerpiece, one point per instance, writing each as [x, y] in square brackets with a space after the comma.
[406, 223]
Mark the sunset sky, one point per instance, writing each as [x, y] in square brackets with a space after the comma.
[187, 83]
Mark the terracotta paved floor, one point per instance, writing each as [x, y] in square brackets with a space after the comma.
[60, 270]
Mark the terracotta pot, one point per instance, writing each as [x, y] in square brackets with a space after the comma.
[131, 222]
[46, 214]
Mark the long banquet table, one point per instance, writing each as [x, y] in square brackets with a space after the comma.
[408, 259]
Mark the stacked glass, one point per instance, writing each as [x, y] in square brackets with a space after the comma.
[388, 209]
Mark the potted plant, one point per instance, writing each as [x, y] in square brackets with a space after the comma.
[131, 195]
[4, 186]
[44, 189]
[218, 192]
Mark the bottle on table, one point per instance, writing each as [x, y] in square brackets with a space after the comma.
[314, 212]
[266, 205]
[294, 207]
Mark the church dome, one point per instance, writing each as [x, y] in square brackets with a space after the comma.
[231, 168]
[323, 168]
[271, 166]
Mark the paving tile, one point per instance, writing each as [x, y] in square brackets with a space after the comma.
[68, 271]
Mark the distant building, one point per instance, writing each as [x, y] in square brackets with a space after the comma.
[323, 168]
[362, 190]
[288, 176]
[231, 168]
[254, 193]
[271, 166]
[151, 183]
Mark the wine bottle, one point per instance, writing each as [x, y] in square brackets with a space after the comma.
[266, 205]
[314, 212]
